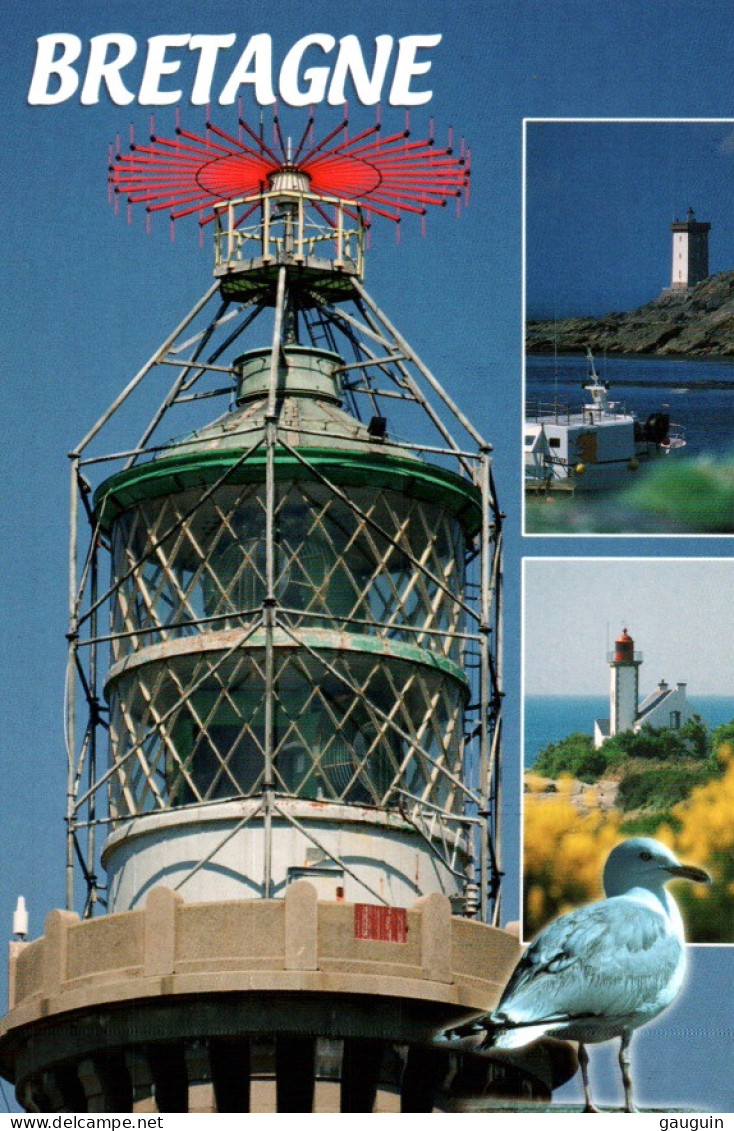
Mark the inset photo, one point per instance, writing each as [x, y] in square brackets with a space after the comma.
[628, 677]
[629, 333]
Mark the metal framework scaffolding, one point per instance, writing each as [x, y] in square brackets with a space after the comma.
[266, 571]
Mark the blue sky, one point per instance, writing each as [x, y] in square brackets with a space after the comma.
[87, 299]
[574, 609]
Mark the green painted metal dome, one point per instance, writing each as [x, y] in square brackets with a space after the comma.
[312, 425]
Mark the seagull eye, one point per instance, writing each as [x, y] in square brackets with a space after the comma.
[646, 856]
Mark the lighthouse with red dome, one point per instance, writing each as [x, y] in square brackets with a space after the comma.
[665, 706]
[624, 685]
[624, 664]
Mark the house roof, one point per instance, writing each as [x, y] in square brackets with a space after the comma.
[654, 700]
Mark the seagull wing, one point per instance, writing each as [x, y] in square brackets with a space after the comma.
[614, 959]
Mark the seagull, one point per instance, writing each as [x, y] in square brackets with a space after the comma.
[606, 968]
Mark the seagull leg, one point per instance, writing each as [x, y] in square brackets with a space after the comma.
[584, 1066]
[624, 1064]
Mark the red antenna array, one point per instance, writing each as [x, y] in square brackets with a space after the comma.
[388, 176]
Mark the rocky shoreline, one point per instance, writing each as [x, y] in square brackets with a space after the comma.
[583, 796]
[695, 323]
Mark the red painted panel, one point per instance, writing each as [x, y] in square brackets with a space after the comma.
[386, 924]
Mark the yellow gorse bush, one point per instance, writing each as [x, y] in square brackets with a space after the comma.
[706, 837]
[707, 816]
[564, 857]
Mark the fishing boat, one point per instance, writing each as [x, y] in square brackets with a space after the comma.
[596, 447]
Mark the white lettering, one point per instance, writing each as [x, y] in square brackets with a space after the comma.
[351, 61]
[316, 77]
[100, 70]
[156, 66]
[46, 66]
[209, 46]
[259, 49]
[58, 74]
[406, 67]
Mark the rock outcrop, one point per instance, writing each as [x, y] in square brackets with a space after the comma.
[583, 796]
[695, 323]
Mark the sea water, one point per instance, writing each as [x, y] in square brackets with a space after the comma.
[698, 394]
[549, 718]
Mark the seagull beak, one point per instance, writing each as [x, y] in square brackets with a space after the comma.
[688, 872]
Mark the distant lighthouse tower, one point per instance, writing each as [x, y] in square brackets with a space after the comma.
[624, 665]
[690, 252]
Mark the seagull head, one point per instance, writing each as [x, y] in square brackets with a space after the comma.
[645, 863]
